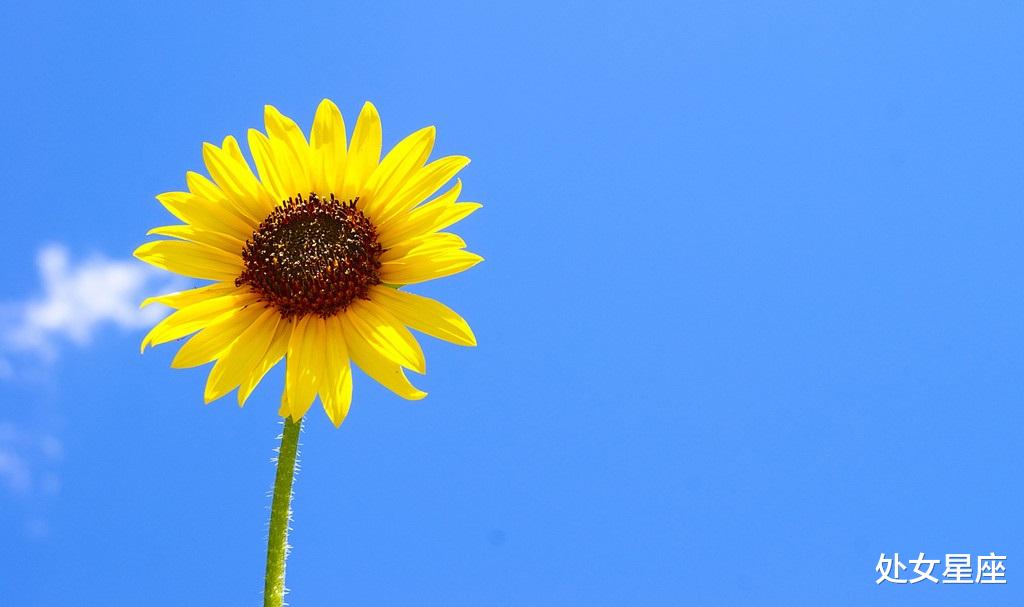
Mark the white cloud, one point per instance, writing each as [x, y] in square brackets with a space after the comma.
[27, 458]
[14, 471]
[30, 462]
[78, 299]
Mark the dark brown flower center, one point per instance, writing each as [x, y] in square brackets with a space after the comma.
[312, 256]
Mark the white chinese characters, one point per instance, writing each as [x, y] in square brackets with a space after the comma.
[958, 569]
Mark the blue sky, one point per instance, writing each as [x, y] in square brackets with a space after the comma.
[750, 315]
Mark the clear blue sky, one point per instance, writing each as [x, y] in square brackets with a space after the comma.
[750, 315]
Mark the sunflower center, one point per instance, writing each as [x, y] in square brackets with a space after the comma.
[312, 256]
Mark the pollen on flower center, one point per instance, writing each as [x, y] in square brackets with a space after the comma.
[312, 256]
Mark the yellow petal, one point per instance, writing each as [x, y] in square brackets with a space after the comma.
[396, 169]
[420, 268]
[207, 190]
[209, 343]
[425, 315]
[180, 299]
[456, 213]
[271, 356]
[363, 152]
[382, 331]
[195, 316]
[385, 372]
[237, 363]
[424, 183]
[285, 410]
[231, 147]
[418, 221]
[338, 410]
[238, 183]
[290, 149]
[439, 242]
[336, 385]
[201, 213]
[327, 142]
[270, 174]
[228, 244]
[305, 363]
[191, 259]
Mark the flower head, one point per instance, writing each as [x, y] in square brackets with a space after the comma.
[308, 259]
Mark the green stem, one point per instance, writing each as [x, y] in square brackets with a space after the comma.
[280, 515]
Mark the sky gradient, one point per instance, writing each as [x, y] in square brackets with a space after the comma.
[750, 313]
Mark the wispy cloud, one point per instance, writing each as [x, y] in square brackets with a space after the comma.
[27, 459]
[30, 461]
[78, 298]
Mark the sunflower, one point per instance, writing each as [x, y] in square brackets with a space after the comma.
[308, 258]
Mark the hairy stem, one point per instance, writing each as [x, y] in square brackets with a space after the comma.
[280, 515]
